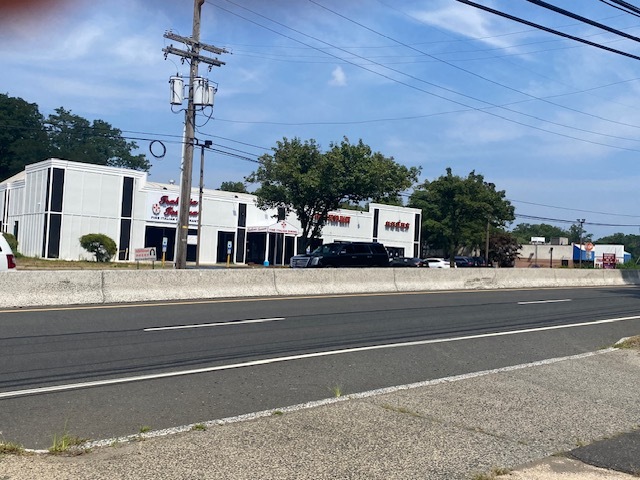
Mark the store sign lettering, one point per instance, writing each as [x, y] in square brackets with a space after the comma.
[165, 200]
[339, 219]
[397, 225]
[167, 209]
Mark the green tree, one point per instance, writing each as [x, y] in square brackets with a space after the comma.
[101, 245]
[631, 242]
[524, 231]
[23, 139]
[302, 179]
[237, 187]
[456, 210]
[575, 235]
[73, 137]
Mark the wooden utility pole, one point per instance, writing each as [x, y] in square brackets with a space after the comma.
[192, 54]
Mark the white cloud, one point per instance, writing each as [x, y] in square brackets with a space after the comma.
[338, 78]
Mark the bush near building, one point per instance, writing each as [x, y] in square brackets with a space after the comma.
[101, 245]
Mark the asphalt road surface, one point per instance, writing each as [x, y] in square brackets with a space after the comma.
[107, 371]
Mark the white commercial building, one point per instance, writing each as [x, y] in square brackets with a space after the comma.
[51, 204]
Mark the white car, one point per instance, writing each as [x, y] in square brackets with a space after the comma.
[7, 260]
[437, 263]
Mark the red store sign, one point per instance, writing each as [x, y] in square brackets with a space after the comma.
[166, 209]
[398, 225]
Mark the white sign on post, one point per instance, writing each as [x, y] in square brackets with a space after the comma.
[142, 254]
[229, 247]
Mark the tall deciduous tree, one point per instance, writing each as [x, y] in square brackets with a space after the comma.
[75, 138]
[302, 179]
[23, 139]
[456, 210]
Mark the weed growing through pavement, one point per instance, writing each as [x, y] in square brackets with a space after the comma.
[277, 412]
[630, 343]
[495, 472]
[199, 427]
[11, 448]
[337, 391]
[65, 442]
[145, 429]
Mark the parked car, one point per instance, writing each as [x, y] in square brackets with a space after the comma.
[463, 262]
[7, 260]
[343, 254]
[407, 262]
[437, 263]
[479, 262]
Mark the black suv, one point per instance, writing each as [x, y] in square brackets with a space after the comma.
[344, 254]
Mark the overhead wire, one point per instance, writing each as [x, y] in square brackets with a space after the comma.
[547, 29]
[534, 97]
[484, 110]
[582, 19]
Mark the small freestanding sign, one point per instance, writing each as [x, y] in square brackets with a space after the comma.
[146, 254]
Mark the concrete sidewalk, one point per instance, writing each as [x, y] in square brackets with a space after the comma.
[516, 420]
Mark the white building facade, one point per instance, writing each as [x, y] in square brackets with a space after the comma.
[51, 204]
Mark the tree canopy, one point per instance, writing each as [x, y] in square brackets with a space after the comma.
[631, 242]
[237, 187]
[23, 138]
[27, 137]
[300, 178]
[456, 210]
[524, 231]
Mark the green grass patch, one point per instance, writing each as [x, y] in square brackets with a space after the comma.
[199, 427]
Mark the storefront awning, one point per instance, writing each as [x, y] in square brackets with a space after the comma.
[278, 227]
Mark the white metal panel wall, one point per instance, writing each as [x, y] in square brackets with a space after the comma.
[75, 226]
[92, 194]
[393, 235]
[358, 229]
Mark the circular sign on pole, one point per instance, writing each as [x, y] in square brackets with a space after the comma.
[589, 246]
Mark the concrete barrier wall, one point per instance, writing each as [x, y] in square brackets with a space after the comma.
[153, 285]
[72, 287]
[25, 289]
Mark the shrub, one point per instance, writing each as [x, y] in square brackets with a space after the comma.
[99, 244]
[12, 241]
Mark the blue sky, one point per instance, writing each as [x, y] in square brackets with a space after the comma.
[433, 83]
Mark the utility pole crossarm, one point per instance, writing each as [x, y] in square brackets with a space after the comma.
[184, 54]
[192, 54]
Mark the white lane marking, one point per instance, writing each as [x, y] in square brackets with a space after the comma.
[220, 324]
[268, 361]
[330, 401]
[544, 301]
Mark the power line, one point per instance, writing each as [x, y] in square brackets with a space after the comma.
[481, 76]
[484, 110]
[574, 209]
[546, 29]
[575, 16]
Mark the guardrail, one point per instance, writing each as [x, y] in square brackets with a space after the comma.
[74, 287]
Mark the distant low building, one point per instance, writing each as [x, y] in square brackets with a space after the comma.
[556, 255]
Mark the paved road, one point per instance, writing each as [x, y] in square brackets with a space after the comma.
[265, 353]
[455, 428]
